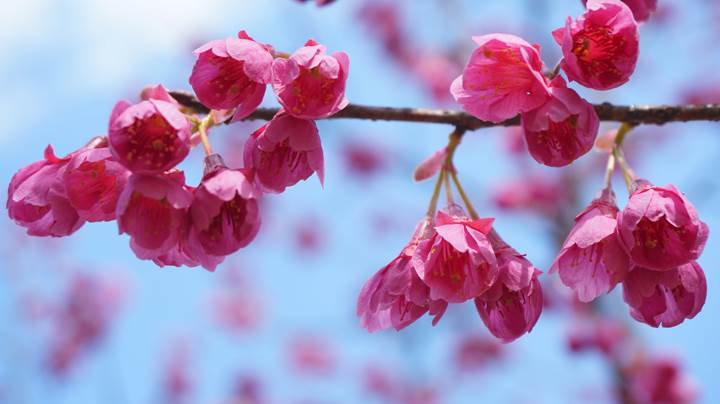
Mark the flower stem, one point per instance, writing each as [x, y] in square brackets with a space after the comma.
[628, 173]
[432, 207]
[609, 170]
[448, 190]
[464, 197]
[204, 124]
[555, 71]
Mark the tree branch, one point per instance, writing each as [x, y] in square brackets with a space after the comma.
[635, 114]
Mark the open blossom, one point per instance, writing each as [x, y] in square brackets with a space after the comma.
[37, 198]
[151, 136]
[665, 298]
[592, 261]
[93, 182]
[225, 214]
[512, 306]
[395, 296]
[283, 152]
[153, 211]
[561, 130]
[641, 9]
[310, 84]
[232, 73]
[503, 78]
[659, 228]
[456, 261]
[600, 48]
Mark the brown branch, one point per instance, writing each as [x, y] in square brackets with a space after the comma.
[635, 114]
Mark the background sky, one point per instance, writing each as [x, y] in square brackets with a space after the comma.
[65, 64]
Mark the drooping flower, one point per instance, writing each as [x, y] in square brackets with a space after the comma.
[592, 261]
[37, 198]
[456, 261]
[224, 212]
[149, 137]
[600, 48]
[503, 78]
[152, 210]
[395, 296]
[665, 298]
[283, 152]
[659, 228]
[232, 73]
[641, 9]
[512, 306]
[310, 84]
[561, 130]
[93, 182]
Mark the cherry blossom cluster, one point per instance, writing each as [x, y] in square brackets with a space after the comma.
[453, 257]
[131, 175]
[505, 77]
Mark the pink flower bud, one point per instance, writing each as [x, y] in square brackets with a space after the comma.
[152, 210]
[503, 78]
[395, 296]
[457, 261]
[37, 198]
[311, 84]
[149, 137]
[512, 306]
[665, 298]
[232, 73]
[283, 152]
[592, 261]
[93, 182]
[659, 228]
[430, 166]
[225, 215]
[600, 48]
[562, 129]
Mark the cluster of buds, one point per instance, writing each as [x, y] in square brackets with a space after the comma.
[130, 175]
[504, 77]
[453, 257]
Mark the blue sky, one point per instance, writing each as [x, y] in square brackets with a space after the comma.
[64, 66]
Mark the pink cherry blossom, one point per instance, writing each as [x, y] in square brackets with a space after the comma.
[225, 214]
[37, 198]
[363, 159]
[641, 9]
[310, 84]
[503, 78]
[512, 306]
[661, 381]
[600, 48]
[456, 261]
[600, 333]
[659, 228]
[534, 193]
[152, 210]
[665, 298]
[151, 136]
[232, 73]
[561, 130]
[93, 182]
[474, 352]
[395, 296]
[592, 261]
[283, 152]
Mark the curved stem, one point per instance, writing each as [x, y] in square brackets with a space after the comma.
[464, 197]
[205, 123]
[432, 207]
[609, 170]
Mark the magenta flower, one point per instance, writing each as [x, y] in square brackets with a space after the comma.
[592, 261]
[665, 298]
[512, 306]
[93, 182]
[232, 73]
[503, 78]
[225, 214]
[283, 152]
[149, 137]
[661, 380]
[37, 198]
[659, 228]
[153, 210]
[562, 129]
[395, 296]
[456, 261]
[311, 84]
[600, 48]
[641, 9]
